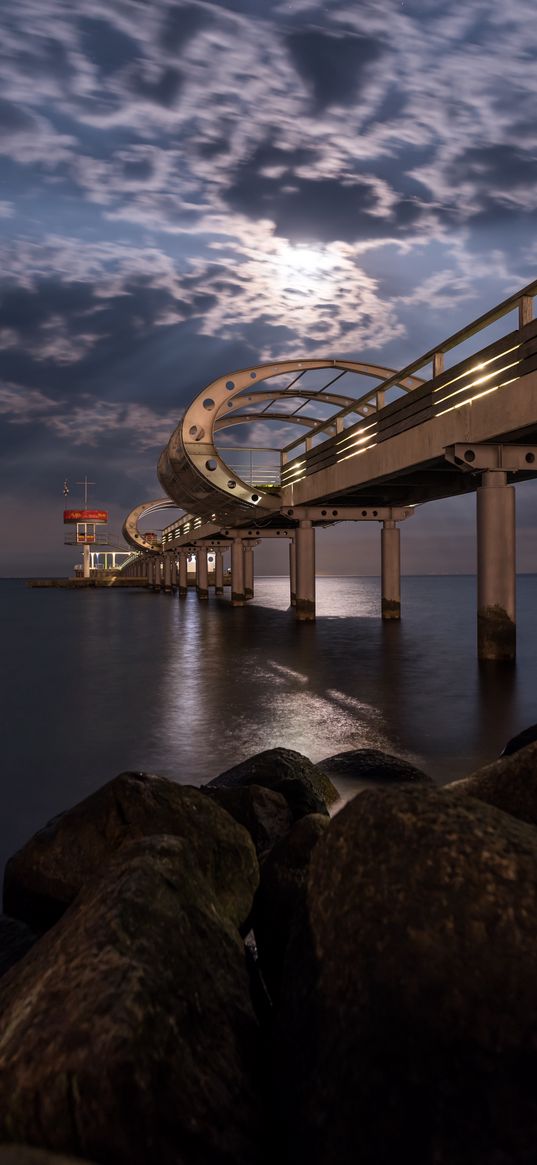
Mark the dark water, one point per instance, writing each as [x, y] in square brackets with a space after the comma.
[99, 681]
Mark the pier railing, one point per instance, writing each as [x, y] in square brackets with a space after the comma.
[493, 367]
[256, 466]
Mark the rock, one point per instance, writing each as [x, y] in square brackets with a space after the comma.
[408, 1023]
[49, 871]
[263, 812]
[302, 798]
[371, 767]
[303, 784]
[15, 940]
[127, 1035]
[24, 1155]
[521, 740]
[509, 783]
[281, 895]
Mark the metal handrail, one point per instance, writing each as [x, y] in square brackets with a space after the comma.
[522, 299]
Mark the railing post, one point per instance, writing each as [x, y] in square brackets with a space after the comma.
[525, 310]
[496, 569]
[391, 570]
[237, 573]
[438, 364]
[305, 572]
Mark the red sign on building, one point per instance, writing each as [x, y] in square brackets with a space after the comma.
[85, 516]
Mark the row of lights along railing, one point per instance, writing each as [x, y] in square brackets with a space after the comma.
[434, 359]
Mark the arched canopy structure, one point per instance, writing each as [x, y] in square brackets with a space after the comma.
[193, 471]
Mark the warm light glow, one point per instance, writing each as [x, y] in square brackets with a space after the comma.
[357, 452]
[301, 268]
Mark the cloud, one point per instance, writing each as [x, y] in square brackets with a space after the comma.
[336, 68]
[23, 406]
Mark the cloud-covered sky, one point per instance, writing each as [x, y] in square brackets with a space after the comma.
[191, 187]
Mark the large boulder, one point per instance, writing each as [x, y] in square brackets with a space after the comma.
[127, 1035]
[521, 740]
[303, 784]
[15, 940]
[408, 1025]
[263, 812]
[509, 783]
[370, 767]
[44, 877]
[282, 893]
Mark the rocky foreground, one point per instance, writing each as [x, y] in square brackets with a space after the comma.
[230, 975]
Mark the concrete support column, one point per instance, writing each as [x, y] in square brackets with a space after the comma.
[305, 572]
[219, 572]
[202, 573]
[86, 560]
[496, 567]
[183, 574]
[248, 571]
[174, 572]
[155, 573]
[391, 570]
[292, 572]
[237, 573]
[168, 574]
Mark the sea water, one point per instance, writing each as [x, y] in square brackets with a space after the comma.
[95, 682]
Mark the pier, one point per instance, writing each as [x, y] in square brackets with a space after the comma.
[371, 449]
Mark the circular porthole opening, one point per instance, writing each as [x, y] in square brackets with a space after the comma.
[231, 484]
[208, 403]
[253, 376]
[230, 384]
[211, 464]
[530, 458]
[469, 455]
[255, 497]
[192, 430]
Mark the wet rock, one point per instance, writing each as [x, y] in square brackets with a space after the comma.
[263, 812]
[15, 940]
[372, 767]
[521, 740]
[509, 783]
[127, 1035]
[304, 785]
[49, 871]
[24, 1155]
[408, 1024]
[302, 798]
[282, 894]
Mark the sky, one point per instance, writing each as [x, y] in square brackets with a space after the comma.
[190, 188]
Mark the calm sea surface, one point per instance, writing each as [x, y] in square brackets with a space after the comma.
[96, 682]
